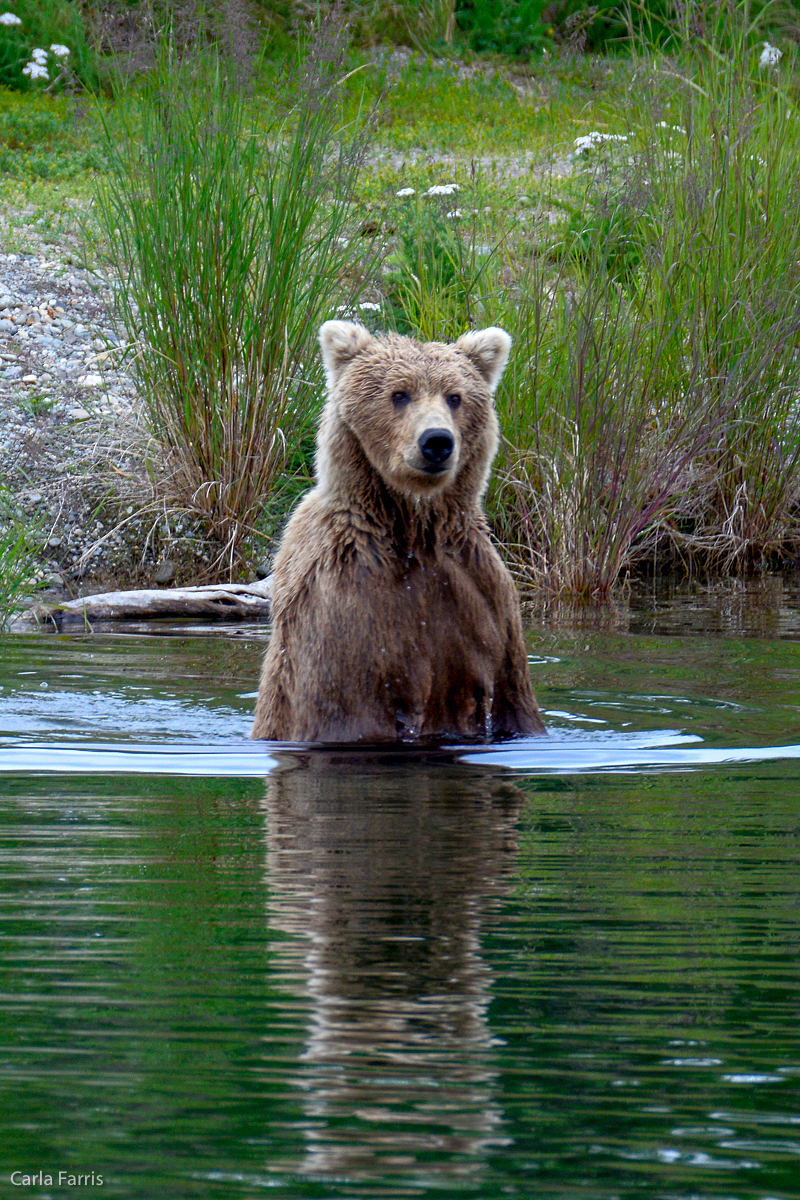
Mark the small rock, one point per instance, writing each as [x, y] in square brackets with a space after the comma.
[79, 414]
[29, 379]
[54, 541]
[91, 381]
[165, 572]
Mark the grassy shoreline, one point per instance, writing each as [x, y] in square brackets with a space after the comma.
[651, 410]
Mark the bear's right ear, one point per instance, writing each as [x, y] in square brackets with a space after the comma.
[341, 341]
[487, 349]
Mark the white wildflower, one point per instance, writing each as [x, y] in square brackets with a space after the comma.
[589, 140]
[35, 70]
[770, 56]
[406, 192]
[674, 128]
[369, 306]
[39, 56]
[8, 18]
[442, 189]
[58, 50]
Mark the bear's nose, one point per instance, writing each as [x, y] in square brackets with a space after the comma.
[436, 446]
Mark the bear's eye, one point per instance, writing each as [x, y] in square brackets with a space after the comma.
[400, 399]
[454, 399]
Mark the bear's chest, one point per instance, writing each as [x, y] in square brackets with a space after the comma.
[431, 642]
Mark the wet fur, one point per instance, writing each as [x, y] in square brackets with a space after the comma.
[393, 614]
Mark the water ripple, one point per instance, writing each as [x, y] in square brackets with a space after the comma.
[560, 755]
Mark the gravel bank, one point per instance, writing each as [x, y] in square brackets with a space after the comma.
[73, 448]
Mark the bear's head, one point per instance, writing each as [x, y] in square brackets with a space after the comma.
[420, 415]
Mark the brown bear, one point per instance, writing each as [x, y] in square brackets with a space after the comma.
[394, 617]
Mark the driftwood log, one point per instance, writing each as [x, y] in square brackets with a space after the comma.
[224, 601]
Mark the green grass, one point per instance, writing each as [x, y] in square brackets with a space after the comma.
[493, 112]
[47, 137]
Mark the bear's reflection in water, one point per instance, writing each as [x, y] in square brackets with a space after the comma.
[383, 869]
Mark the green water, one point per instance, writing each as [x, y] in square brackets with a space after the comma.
[555, 969]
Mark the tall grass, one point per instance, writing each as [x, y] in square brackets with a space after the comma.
[603, 422]
[727, 250]
[227, 225]
[652, 403]
[437, 278]
[17, 560]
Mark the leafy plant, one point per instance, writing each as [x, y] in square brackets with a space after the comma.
[514, 28]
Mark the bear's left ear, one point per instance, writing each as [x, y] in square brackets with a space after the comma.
[487, 349]
[340, 341]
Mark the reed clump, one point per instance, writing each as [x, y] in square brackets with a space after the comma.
[227, 222]
[652, 402]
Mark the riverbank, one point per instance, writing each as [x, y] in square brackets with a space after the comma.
[75, 450]
[649, 409]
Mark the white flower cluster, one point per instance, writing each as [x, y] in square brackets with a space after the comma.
[588, 141]
[770, 56]
[438, 189]
[37, 67]
[348, 310]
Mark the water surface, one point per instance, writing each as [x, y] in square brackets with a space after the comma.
[565, 967]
